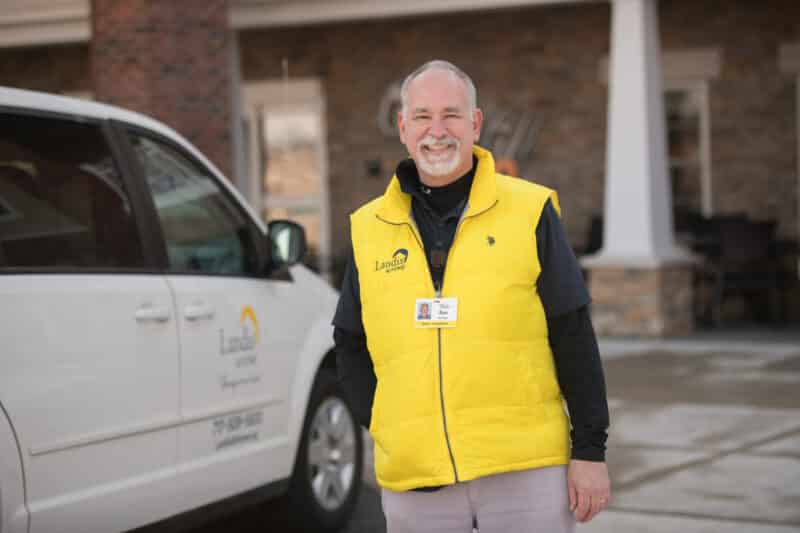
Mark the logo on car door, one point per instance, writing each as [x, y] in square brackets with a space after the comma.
[244, 340]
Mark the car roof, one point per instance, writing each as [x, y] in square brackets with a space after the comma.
[54, 103]
[65, 105]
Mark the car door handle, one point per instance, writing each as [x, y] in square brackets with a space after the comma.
[152, 314]
[198, 311]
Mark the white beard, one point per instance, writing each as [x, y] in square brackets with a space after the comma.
[435, 164]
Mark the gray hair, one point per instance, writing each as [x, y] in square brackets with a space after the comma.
[440, 64]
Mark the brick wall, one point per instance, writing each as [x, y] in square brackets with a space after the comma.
[544, 59]
[518, 59]
[61, 69]
[753, 105]
[169, 60]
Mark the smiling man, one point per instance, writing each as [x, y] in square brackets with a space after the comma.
[466, 408]
[437, 127]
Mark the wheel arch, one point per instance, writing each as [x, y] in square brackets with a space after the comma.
[13, 509]
[317, 354]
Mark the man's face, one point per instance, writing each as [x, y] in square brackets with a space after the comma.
[437, 127]
[423, 309]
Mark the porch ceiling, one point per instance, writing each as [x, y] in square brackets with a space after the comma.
[263, 13]
[40, 22]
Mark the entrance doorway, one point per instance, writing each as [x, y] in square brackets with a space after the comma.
[287, 155]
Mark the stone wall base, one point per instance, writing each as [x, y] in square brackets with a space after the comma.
[642, 302]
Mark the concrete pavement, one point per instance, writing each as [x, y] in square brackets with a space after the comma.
[705, 436]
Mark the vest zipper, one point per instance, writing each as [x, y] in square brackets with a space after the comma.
[439, 338]
[438, 291]
[441, 398]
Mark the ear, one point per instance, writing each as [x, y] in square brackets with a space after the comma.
[477, 122]
[401, 126]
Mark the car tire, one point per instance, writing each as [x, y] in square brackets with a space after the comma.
[326, 480]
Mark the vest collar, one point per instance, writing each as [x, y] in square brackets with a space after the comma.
[395, 205]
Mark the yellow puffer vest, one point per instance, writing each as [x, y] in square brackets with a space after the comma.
[454, 404]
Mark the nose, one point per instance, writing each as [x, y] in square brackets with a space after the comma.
[437, 128]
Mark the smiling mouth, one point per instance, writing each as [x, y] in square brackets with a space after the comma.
[438, 149]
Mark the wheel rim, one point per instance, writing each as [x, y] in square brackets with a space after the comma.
[332, 453]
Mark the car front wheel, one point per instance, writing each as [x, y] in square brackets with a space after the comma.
[327, 472]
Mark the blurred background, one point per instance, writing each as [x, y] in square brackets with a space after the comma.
[296, 100]
[669, 129]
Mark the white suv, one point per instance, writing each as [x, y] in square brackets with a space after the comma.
[160, 350]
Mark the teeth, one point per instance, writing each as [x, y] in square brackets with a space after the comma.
[441, 151]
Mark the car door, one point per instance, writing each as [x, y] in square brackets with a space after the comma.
[240, 332]
[89, 366]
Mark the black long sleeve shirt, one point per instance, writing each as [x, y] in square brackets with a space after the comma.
[561, 289]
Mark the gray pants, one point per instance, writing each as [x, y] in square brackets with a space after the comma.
[529, 501]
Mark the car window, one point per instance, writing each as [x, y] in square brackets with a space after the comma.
[204, 229]
[62, 202]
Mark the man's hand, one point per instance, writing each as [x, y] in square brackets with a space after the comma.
[589, 488]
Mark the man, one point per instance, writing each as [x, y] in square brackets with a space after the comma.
[466, 411]
[424, 311]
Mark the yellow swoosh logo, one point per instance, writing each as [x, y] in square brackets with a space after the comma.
[247, 312]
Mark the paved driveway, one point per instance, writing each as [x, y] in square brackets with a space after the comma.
[368, 517]
[705, 438]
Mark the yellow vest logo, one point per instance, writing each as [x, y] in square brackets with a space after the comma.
[397, 262]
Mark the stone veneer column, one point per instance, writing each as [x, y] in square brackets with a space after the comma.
[637, 301]
[169, 59]
[640, 282]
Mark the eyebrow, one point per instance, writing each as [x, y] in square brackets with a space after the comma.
[451, 109]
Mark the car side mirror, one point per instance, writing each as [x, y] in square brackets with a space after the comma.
[288, 241]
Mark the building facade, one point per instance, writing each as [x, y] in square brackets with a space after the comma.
[315, 91]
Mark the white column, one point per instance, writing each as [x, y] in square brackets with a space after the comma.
[637, 229]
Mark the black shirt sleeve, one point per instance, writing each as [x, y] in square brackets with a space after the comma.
[580, 376]
[356, 373]
[572, 340]
[560, 284]
[348, 310]
[353, 362]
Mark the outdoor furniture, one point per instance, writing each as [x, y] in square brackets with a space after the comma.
[743, 263]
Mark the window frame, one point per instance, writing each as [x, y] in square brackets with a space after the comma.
[260, 238]
[138, 211]
[701, 89]
[691, 69]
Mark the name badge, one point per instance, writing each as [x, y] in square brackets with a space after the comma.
[436, 312]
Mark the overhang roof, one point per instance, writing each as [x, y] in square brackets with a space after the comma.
[41, 22]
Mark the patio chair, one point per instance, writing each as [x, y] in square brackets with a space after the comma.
[744, 263]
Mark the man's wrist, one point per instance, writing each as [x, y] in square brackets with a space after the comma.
[589, 453]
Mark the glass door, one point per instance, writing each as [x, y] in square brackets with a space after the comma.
[286, 138]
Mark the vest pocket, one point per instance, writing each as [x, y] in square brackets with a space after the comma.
[407, 388]
[406, 421]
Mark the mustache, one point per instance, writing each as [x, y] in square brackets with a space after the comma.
[434, 142]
